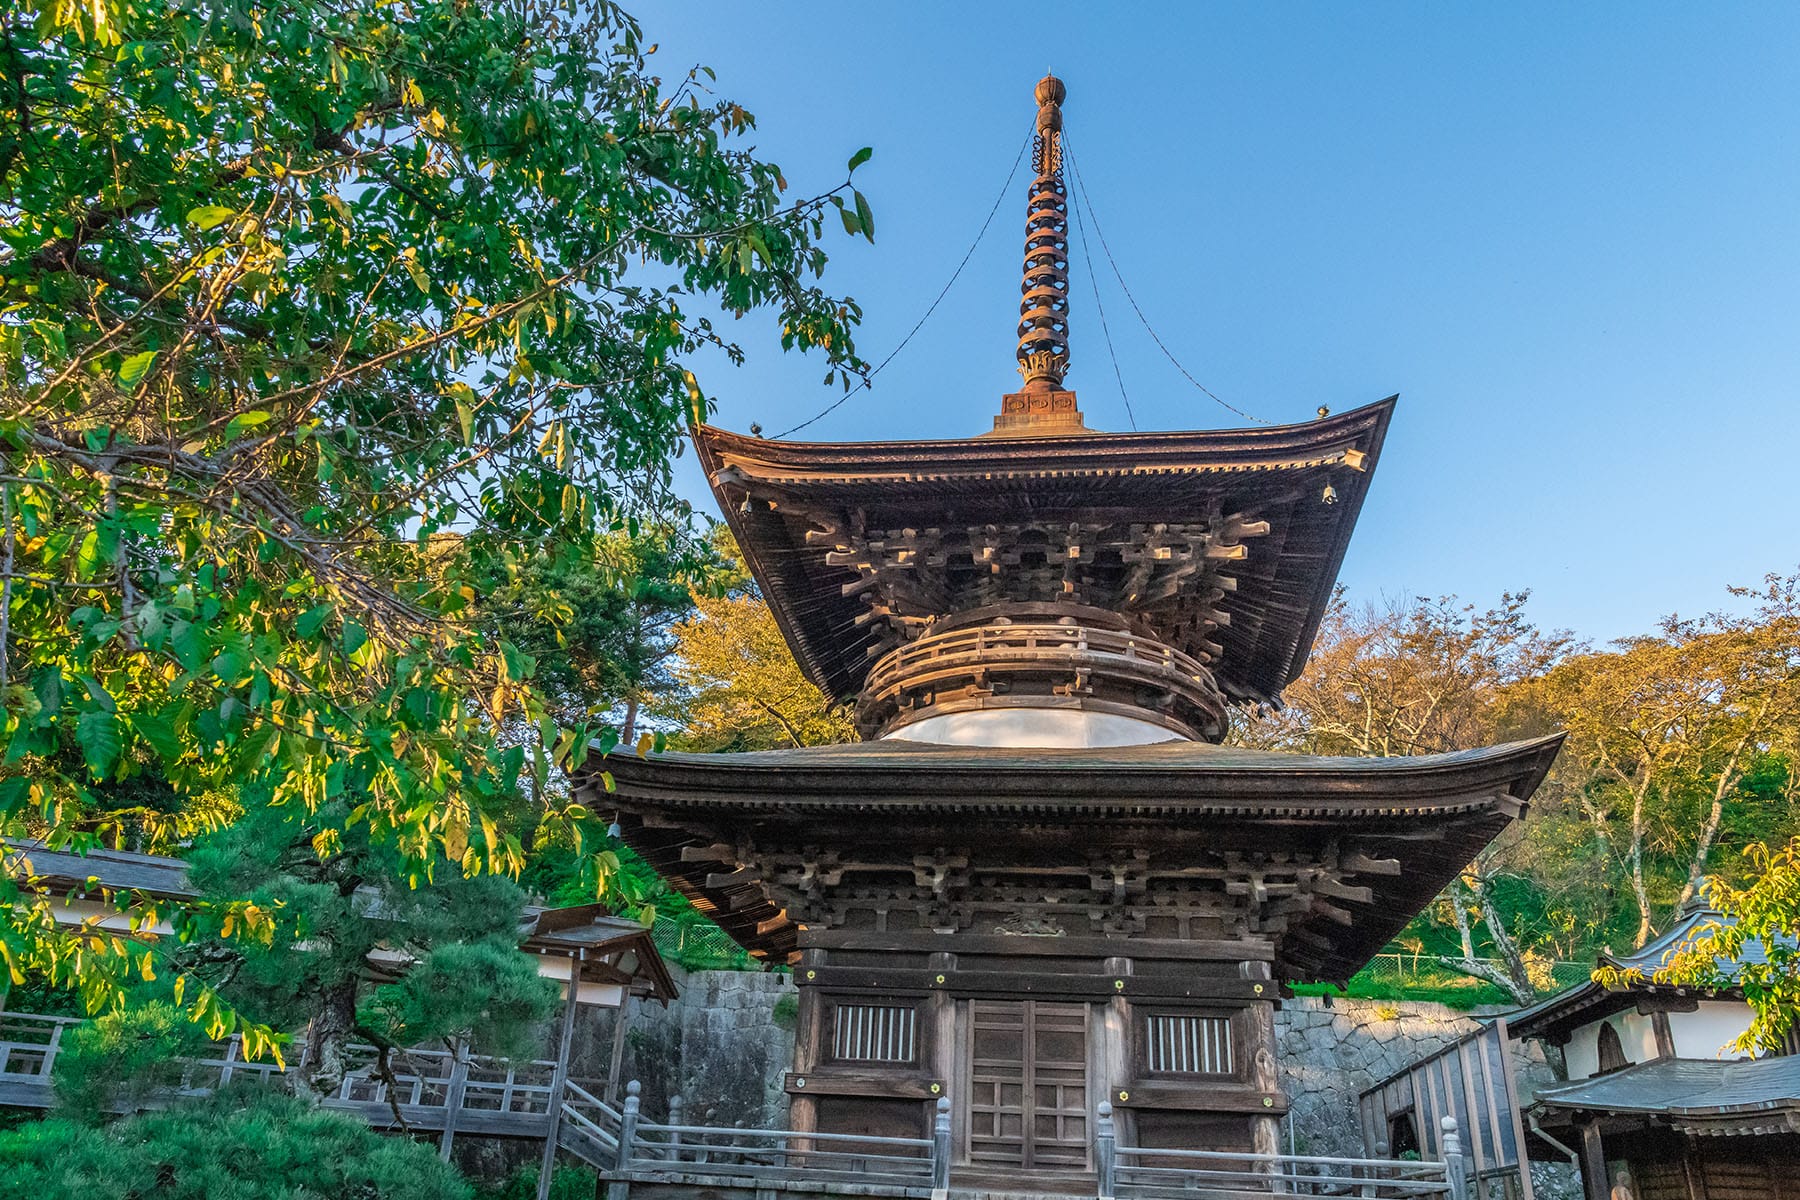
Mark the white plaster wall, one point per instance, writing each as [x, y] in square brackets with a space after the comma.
[1037, 728]
[1637, 1037]
[1709, 1031]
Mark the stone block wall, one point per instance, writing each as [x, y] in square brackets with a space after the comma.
[1331, 1050]
[723, 1046]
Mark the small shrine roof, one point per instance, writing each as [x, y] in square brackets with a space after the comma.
[1706, 1096]
[1556, 1015]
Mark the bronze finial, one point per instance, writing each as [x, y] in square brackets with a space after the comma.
[1044, 311]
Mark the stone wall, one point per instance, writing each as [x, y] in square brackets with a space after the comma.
[723, 1046]
[1332, 1049]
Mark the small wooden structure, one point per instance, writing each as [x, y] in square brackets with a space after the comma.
[1473, 1081]
[1041, 885]
[1657, 1106]
[1653, 1105]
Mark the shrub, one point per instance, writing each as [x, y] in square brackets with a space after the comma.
[234, 1146]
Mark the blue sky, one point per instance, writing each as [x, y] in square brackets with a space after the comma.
[1567, 236]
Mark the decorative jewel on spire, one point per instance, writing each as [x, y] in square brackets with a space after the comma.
[1044, 311]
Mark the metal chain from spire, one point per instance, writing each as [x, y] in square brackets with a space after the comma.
[1044, 309]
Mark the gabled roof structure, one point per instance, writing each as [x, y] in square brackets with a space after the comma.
[1556, 1015]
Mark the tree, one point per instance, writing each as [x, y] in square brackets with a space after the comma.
[736, 685]
[601, 627]
[441, 947]
[235, 1146]
[1668, 734]
[1424, 676]
[288, 295]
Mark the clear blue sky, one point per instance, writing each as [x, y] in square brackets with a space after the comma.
[1567, 236]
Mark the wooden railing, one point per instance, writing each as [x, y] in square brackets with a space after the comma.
[674, 1152]
[417, 1079]
[463, 1089]
[989, 644]
[590, 1127]
[1140, 1173]
[29, 1045]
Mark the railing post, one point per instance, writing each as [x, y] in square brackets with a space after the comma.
[453, 1095]
[1382, 1151]
[1106, 1150]
[560, 1077]
[620, 1187]
[1453, 1161]
[940, 1150]
[675, 1134]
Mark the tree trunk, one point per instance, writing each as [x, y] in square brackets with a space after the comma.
[1514, 979]
[1710, 831]
[1636, 858]
[1504, 943]
[628, 731]
[327, 1038]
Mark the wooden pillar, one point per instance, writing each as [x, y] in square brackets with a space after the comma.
[618, 1049]
[937, 1023]
[1265, 1071]
[560, 1079]
[453, 1095]
[1665, 1036]
[1593, 1163]
[809, 1034]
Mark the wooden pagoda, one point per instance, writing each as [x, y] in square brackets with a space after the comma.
[1040, 882]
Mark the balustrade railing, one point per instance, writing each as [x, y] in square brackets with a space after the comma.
[1143, 1173]
[29, 1044]
[416, 1078]
[627, 1147]
[671, 1150]
[987, 644]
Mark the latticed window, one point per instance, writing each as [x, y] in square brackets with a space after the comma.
[880, 1033]
[1188, 1045]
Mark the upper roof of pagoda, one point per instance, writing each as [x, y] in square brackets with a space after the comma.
[1224, 544]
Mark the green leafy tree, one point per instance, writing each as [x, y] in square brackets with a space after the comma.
[601, 627]
[735, 683]
[235, 1146]
[122, 1061]
[356, 943]
[315, 319]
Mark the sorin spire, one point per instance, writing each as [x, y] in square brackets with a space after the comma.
[1044, 310]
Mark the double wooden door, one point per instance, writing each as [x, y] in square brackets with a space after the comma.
[1028, 1085]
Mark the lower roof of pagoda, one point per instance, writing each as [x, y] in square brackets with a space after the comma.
[1219, 542]
[701, 819]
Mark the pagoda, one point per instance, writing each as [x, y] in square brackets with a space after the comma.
[1041, 882]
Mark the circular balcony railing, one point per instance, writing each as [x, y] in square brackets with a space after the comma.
[1033, 662]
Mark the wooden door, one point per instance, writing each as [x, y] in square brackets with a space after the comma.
[1028, 1084]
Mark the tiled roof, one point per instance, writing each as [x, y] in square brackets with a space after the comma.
[1685, 1089]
